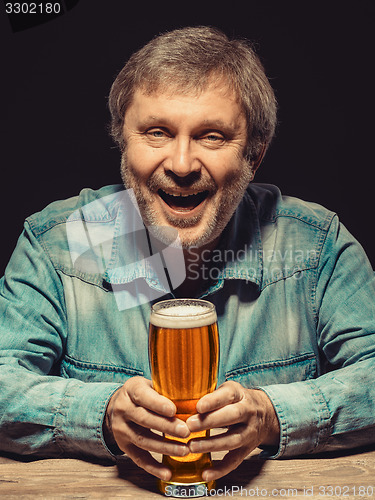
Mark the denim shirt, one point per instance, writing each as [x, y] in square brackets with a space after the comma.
[294, 294]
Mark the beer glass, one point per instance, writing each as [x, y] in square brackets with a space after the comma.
[184, 355]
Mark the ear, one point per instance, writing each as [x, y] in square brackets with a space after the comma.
[258, 160]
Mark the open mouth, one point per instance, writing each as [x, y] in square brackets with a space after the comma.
[183, 203]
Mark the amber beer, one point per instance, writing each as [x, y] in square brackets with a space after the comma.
[184, 354]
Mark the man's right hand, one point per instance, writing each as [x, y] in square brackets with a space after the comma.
[131, 413]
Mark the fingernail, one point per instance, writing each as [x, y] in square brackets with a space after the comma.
[207, 475]
[194, 418]
[186, 451]
[203, 407]
[182, 430]
[168, 410]
[193, 422]
[181, 451]
[194, 446]
[166, 475]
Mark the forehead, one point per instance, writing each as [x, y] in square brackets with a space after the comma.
[172, 83]
[215, 102]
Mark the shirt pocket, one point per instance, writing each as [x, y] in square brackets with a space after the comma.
[284, 371]
[96, 372]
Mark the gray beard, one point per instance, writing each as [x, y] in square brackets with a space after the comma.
[234, 190]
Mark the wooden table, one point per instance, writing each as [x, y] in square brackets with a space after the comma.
[331, 476]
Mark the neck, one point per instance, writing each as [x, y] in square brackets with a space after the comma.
[197, 262]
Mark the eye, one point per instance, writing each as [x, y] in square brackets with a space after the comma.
[213, 138]
[157, 133]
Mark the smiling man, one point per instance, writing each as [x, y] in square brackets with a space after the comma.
[185, 159]
[193, 114]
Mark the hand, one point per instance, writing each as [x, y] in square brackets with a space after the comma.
[249, 416]
[131, 413]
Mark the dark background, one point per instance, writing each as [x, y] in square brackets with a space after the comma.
[56, 76]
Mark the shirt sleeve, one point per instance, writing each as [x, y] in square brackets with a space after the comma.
[42, 414]
[337, 409]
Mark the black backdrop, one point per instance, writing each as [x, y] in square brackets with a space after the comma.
[56, 77]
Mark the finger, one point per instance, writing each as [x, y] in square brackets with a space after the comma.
[141, 393]
[227, 393]
[139, 402]
[230, 462]
[147, 440]
[234, 438]
[150, 420]
[147, 462]
[228, 415]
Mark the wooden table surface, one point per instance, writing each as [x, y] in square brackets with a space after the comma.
[332, 476]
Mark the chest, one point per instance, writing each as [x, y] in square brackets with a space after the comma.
[264, 338]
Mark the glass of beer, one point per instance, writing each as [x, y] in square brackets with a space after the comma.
[184, 356]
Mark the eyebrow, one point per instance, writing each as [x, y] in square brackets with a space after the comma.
[214, 124]
[151, 120]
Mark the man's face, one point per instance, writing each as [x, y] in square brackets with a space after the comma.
[184, 159]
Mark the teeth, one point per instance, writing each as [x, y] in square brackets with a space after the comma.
[184, 195]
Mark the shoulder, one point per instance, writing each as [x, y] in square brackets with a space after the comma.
[273, 207]
[60, 228]
[293, 232]
[59, 212]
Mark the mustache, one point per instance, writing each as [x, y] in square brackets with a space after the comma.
[169, 181]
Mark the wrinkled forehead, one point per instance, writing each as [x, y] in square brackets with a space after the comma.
[171, 85]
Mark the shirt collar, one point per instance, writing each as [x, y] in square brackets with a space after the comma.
[242, 244]
[138, 253]
[238, 255]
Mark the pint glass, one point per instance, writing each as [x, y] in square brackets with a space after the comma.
[184, 355]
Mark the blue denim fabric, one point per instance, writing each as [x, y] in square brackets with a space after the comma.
[294, 293]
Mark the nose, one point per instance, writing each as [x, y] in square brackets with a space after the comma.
[182, 160]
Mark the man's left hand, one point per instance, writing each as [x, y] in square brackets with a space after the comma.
[249, 416]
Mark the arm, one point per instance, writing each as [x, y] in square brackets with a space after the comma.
[42, 414]
[47, 415]
[337, 409]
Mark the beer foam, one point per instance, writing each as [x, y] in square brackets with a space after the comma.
[183, 316]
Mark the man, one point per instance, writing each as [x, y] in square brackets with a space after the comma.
[193, 114]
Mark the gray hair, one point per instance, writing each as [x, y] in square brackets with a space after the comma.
[186, 60]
